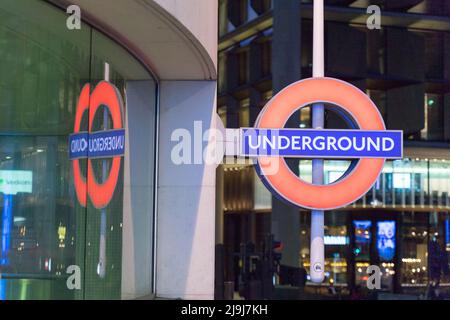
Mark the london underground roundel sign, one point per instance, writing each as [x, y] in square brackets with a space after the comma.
[370, 143]
[99, 144]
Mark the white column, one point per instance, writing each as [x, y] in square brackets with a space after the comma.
[186, 195]
[137, 261]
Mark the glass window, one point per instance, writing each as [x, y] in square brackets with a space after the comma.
[44, 229]
[222, 72]
[414, 249]
[266, 60]
[43, 67]
[376, 52]
[434, 120]
[244, 112]
[361, 251]
[243, 65]
[336, 240]
[434, 55]
[379, 98]
[222, 111]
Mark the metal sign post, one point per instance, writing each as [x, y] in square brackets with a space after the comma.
[101, 267]
[317, 250]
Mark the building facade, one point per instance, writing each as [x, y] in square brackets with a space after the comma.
[56, 241]
[402, 223]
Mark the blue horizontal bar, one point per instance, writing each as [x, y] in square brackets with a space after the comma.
[324, 143]
[100, 144]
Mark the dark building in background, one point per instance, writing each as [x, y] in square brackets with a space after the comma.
[405, 69]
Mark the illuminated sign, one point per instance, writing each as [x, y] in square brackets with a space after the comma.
[335, 240]
[401, 180]
[386, 240]
[11, 183]
[369, 143]
[322, 143]
[15, 181]
[100, 144]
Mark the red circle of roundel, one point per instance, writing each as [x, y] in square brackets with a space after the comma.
[78, 179]
[285, 183]
[99, 193]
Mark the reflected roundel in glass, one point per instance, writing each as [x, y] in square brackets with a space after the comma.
[107, 95]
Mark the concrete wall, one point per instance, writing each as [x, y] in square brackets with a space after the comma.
[200, 17]
[186, 193]
[186, 196]
[139, 180]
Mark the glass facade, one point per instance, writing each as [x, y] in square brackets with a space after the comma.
[44, 229]
[392, 226]
[401, 224]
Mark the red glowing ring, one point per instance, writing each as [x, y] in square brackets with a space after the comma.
[285, 183]
[99, 193]
[78, 179]
[105, 94]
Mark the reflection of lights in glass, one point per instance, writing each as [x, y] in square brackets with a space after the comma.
[39, 150]
[411, 260]
[8, 158]
[23, 231]
[336, 240]
[19, 219]
[2, 290]
[386, 239]
[362, 264]
[402, 180]
[7, 219]
[61, 232]
[430, 102]
[61, 235]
